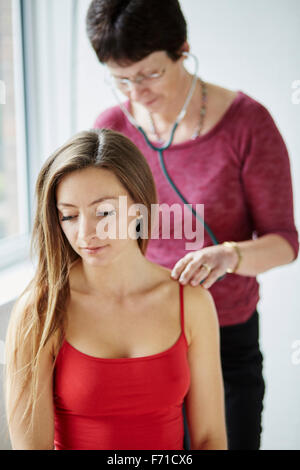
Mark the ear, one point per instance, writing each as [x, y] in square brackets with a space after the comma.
[184, 48]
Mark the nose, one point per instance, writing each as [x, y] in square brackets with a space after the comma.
[86, 230]
[137, 90]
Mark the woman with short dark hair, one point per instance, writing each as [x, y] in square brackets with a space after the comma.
[227, 154]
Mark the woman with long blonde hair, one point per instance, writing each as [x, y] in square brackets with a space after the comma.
[103, 346]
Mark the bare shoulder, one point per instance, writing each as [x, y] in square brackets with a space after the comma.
[159, 276]
[199, 307]
[159, 268]
[20, 309]
[17, 314]
[200, 311]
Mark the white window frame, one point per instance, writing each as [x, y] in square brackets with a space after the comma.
[14, 249]
[46, 86]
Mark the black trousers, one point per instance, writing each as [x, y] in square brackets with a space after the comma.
[243, 383]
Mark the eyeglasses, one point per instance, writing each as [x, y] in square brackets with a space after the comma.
[127, 83]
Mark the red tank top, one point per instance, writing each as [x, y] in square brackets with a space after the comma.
[125, 403]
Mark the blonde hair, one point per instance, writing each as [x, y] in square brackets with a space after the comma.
[39, 311]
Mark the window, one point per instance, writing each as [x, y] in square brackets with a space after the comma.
[38, 78]
[14, 220]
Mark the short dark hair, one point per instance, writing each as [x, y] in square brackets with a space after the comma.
[126, 31]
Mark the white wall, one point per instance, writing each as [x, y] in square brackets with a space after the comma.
[251, 46]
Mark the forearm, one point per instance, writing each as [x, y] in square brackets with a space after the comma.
[262, 254]
[22, 439]
[34, 447]
[212, 444]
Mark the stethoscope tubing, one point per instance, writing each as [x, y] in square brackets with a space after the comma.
[161, 149]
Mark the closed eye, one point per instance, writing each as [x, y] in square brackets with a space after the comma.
[69, 217]
[99, 214]
[105, 214]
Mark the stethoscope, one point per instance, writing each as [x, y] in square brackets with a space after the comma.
[161, 149]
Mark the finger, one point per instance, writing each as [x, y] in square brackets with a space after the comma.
[212, 278]
[190, 270]
[180, 266]
[199, 276]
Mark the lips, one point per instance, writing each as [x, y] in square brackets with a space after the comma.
[150, 102]
[94, 249]
[90, 247]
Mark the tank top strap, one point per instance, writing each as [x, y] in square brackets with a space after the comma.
[181, 309]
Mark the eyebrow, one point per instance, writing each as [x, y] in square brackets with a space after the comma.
[66, 204]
